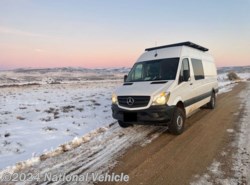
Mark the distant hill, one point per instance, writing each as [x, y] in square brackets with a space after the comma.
[77, 74]
[237, 69]
[72, 70]
[59, 75]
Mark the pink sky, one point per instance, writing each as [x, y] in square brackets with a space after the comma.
[15, 57]
[27, 50]
[114, 34]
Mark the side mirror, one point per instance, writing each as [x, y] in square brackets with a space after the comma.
[125, 78]
[186, 75]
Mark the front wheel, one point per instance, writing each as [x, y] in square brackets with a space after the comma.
[177, 124]
[123, 125]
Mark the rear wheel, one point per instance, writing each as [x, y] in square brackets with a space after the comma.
[177, 124]
[123, 125]
[212, 103]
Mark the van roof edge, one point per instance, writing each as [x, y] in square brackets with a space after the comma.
[188, 43]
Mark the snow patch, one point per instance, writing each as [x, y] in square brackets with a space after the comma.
[38, 119]
[226, 85]
[230, 130]
[98, 155]
[214, 168]
[241, 164]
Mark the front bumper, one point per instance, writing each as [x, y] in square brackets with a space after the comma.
[154, 115]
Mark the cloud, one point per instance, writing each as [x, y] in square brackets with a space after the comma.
[12, 31]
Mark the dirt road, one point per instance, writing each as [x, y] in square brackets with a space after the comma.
[176, 159]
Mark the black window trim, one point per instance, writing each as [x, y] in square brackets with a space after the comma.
[181, 68]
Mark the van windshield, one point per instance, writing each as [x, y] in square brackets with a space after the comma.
[162, 69]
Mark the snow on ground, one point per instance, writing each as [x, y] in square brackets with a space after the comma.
[225, 85]
[96, 153]
[39, 118]
[240, 159]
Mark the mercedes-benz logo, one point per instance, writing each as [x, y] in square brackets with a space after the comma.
[130, 101]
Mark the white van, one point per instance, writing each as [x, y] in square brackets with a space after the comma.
[165, 85]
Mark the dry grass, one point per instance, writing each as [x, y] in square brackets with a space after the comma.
[20, 118]
[232, 76]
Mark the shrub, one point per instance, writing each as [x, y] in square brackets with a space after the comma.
[233, 76]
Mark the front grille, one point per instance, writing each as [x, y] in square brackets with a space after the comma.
[138, 101]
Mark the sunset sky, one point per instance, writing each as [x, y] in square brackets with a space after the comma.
[113, 33]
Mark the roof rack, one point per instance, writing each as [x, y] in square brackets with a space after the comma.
[190, 44]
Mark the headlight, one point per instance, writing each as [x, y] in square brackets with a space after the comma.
[114, 99]
[161, 99]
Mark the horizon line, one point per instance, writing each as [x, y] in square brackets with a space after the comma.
[75, 67]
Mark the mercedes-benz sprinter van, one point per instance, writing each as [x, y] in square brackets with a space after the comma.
[166, 85]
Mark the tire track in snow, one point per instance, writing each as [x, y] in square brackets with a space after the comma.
[95, 156]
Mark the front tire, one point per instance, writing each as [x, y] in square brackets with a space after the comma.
[176, 126]
[123, 125]
[212, 103]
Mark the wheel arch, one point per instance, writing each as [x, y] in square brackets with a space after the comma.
[181, 105]
[213, 91]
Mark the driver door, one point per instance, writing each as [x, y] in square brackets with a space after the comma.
[185, 86]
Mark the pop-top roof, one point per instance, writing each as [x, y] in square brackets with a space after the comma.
[189, 44]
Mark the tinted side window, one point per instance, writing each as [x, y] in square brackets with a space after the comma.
[198, 69]
[168, 68]
[184, 69]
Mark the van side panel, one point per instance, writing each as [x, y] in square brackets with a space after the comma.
[204, 87]
[199, 93]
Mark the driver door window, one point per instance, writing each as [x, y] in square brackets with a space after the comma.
[185, 71]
